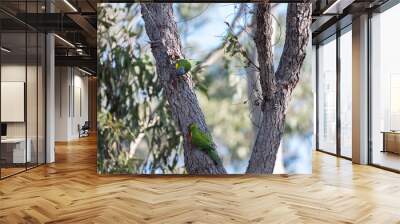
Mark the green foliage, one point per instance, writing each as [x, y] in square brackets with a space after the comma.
[112, 157]
[234, 48]
[226, 114]
[136, 131]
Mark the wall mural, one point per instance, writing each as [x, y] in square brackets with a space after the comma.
[204, 89]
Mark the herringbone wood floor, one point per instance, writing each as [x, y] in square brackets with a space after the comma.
[70, 191]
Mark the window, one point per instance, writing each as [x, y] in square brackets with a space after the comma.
[385, 89]
[327, 96]
[22, 95]
[346, 93]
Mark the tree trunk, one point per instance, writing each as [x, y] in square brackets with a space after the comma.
[254, 93]
[166, 48]
[277, 88]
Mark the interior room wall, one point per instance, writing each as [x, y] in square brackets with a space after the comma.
[80, 110]
[92, 98]
[32, 111]
[71, 87]
[17, 73]
[41, 114]
[14, 73]
[61, 103]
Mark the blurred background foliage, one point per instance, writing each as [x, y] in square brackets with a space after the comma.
[132, 110]
[136, 131]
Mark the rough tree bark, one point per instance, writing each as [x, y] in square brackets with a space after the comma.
[277, 87]
[254, 93]
[166, 48]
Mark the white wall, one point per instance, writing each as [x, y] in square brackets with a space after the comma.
[61, 103]
[13, 100]
[17, 73]
[71, 94]
[79, 115]
[33, 126]
[14, 72]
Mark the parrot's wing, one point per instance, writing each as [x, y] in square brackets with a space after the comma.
[209, 140]
[188, 66]
[202, 140]
[207, 137]
[214, 156]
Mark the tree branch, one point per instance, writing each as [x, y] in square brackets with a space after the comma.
[166, 48]
[297, 34]
[262, 39]
[281, 84]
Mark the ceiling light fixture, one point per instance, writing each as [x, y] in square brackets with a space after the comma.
[64, 40]
[5, 50]
[70, 5]
[84, 71]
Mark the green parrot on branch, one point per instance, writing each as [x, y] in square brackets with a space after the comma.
[183, 66]
[204, 142]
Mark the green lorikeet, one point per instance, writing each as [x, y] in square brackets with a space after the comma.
[204, 142]
[183, 66]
